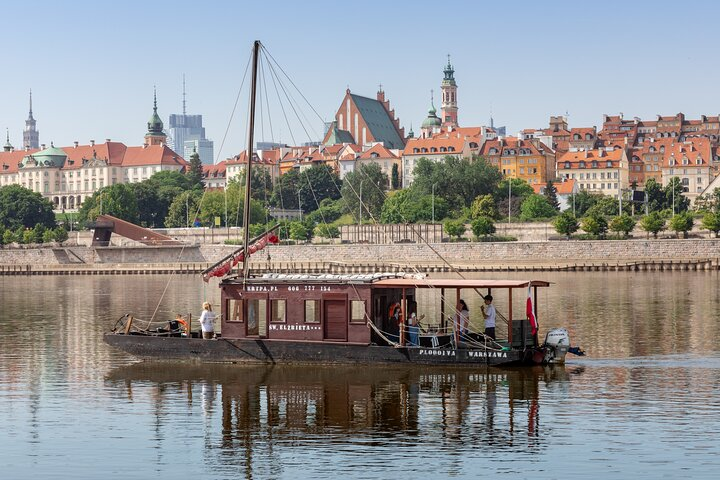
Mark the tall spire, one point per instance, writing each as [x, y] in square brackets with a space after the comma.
[30, 116]
[31, 137]
[155, 134]
[8, 146]
[184, 111]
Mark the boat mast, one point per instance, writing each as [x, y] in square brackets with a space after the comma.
[248, 173]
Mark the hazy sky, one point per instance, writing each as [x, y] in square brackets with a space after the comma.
[92, 65]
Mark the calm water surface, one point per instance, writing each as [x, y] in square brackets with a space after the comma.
[645, 403]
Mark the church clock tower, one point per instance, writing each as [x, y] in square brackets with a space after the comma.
[449, 97]
[155, 134]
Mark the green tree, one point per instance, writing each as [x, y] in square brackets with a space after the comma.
[622, 224]
[285, 192]
[48, 236]
[711, 221]
[20, 207]
[231, 200]
[595, 224]
[369, 182]
[652, 223]
[298, 231]
[518, 188]
[682, 223]
[9, 237]
[674, 192]
[551, 195]
[329, 211]
[605, 205]
[183, 209]
[455, 228]
[194, 171]
[654, 196]
[411, 206]
[536, 206]
[457, 180]
[326, 231]
[566, 223]
[483, 206]
[117, 200]
[261, 184]
[395, 177]
[28, 236]
[582, 202]
[60, 234]
[482, 226]
[38, 231]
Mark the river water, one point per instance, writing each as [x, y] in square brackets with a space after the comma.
[644, 403]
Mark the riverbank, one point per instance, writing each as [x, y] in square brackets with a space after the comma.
[619, 255]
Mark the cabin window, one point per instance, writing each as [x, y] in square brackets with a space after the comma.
[357, 311]
[257, 317]
[277, 311]
[235, 311]
[312, 311]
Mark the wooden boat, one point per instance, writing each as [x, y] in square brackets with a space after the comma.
[276, 318]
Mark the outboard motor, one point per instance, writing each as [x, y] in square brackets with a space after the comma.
[557, 343]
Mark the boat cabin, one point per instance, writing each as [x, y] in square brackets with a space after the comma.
[358, 309]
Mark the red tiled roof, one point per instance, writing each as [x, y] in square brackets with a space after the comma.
[588, 156]
[151, 155]
[562, 188]
[380, 150]
[438, 142]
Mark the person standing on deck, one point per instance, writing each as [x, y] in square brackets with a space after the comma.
[207, 321]
[462, 319]
[488, 311]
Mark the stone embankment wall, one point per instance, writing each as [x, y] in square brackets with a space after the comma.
[480, 255]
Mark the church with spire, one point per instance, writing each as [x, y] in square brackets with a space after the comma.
[155, 134]
[31, 136]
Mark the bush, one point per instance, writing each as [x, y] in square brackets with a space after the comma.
[595, 224]
[622, 224]
[483, 226]
[682, 223]
[652, 223]
[326, 231]
[536, 206]
[566, 224]
[455, 228]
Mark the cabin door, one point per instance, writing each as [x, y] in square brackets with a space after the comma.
[335, 315]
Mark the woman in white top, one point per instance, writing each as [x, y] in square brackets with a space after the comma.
[462, 319]
[207, 321]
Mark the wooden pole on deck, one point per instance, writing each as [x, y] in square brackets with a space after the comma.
[403, 311]
[510, 314]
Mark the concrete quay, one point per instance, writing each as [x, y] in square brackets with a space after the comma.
[577, 256]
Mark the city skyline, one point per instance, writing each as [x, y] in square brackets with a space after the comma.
[92, 69]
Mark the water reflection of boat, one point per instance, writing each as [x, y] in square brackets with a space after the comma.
[274, 318]
[456, 402]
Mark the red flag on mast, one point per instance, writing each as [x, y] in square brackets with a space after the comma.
[530, 311]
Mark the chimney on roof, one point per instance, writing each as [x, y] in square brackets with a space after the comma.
[601, 152]
[76, 143]
[42, 146]
[107, 140]
[92, 143]
[27, 148]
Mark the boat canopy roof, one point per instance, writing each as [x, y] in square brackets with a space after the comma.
[389, 280]
[456, 283]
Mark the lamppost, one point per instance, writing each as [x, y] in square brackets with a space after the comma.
[433, 203]
[509, 199]
[187, 210]
[672, 185]
[360, 222]
[299, 204]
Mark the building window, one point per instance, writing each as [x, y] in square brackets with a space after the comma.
[277, 311]
[235, 311]
[256, 317]
[357, 311]
[312, 311]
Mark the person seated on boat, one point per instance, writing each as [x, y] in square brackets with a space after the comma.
[462, 317]
[413, 330]
[207, 321]
[178, 324]
[488, 311]
[396, 320]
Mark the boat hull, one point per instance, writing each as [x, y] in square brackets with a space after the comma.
[290, 352]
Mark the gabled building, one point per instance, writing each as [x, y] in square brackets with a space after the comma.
[599, 170]
[691, 162]
[436, 148]
[529, 160]
[363, 121]
[564, 189]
